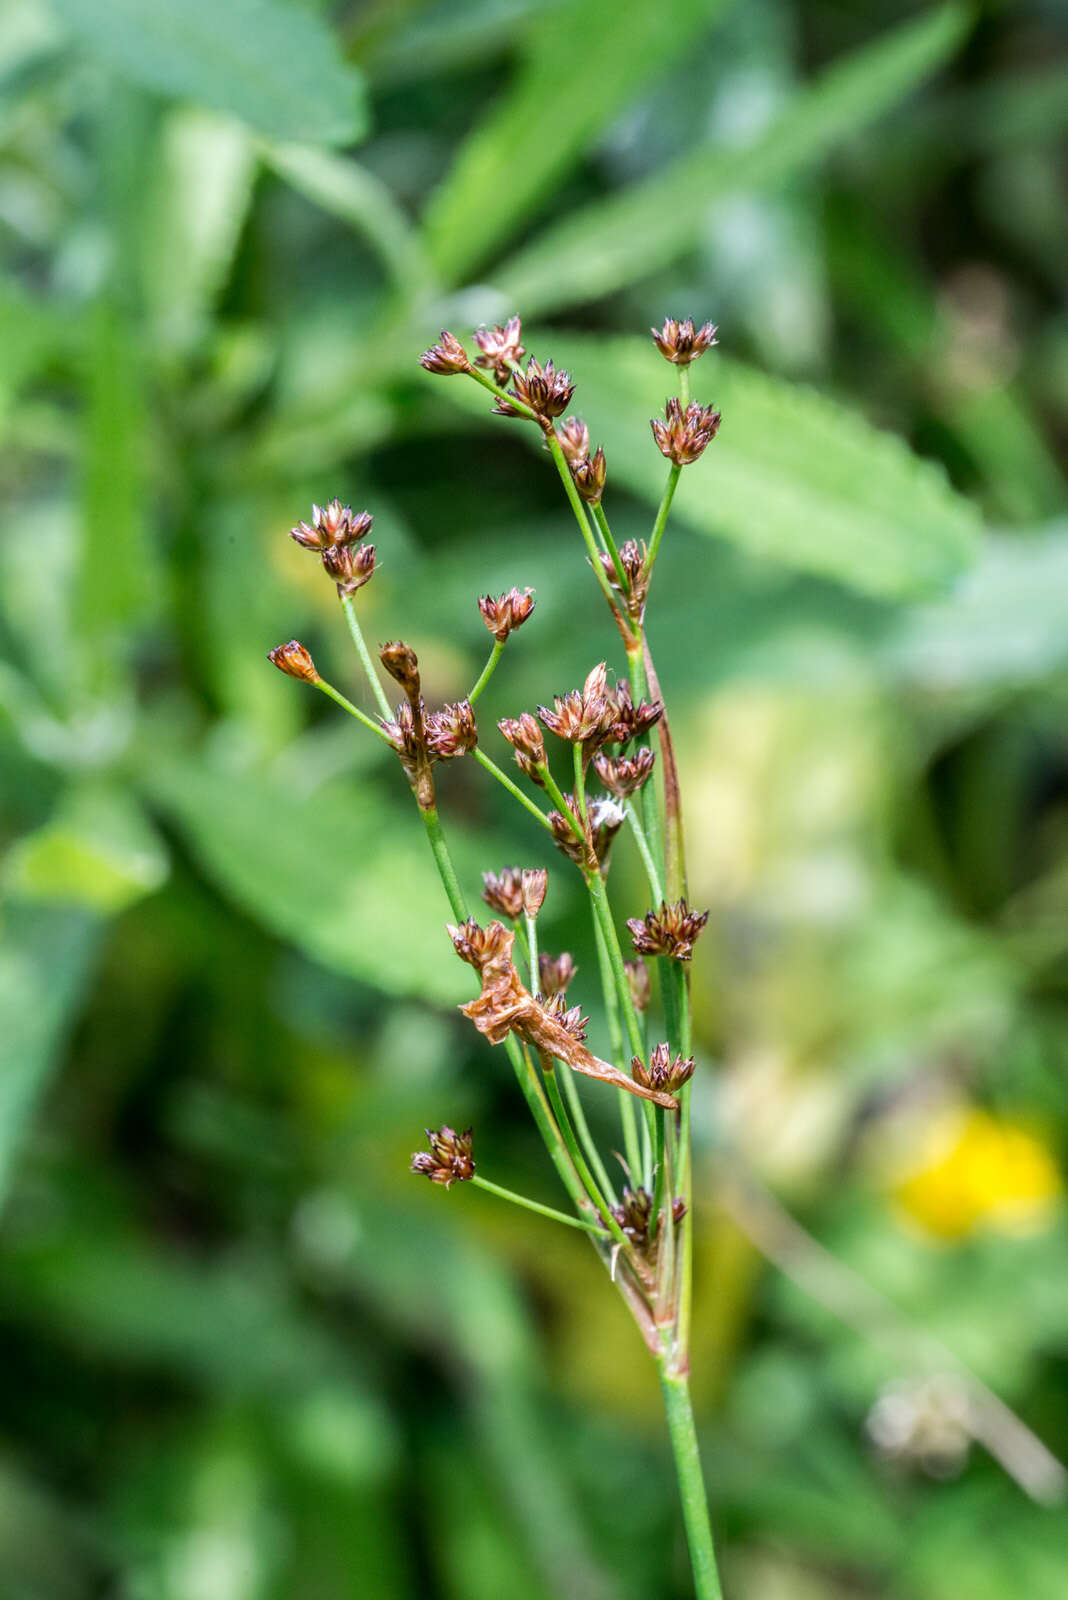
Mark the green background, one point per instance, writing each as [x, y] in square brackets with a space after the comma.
[246, 1355]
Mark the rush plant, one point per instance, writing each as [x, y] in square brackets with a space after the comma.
[615, 767]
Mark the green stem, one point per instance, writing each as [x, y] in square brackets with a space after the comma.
[487, 671]
[532, 948]
[443, 861]
[639, 690]
[552, 789]
[353, 711]
[585, 1137]
[646, 854]
[361, 650]
[661, 518]
[575, 500]
[610, 544]
[602, 910]
[534, 1205]
[513, 788]
[683, 1434]
[626, 1101]
[548, 1072]
[502, 394]
[522, 1065]
[580, 782]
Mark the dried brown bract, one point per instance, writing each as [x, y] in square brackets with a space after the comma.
[505, 1006]
[623, 775]
[589, 475]
[670, 931]
[686, 434]
[449, 1159]
[680, 343]
[502, 616]
[526, 738]
[295, 661]
[662, 1071]
[332, 525]
[535, 884]
[446, 358]
[585, 716]
[500, 347]
[546, 390]
[555, 973]
[503, 892]
[452, 731]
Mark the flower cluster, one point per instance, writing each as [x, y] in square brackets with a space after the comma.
[686, 434]
[449, 1159]
[671, 931]
[336, 534]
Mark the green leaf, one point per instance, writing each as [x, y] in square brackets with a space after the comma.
[44, 964]
[274, 65]
[1004, 626]
[583, 63]
[338, 873]
[792, 476]
[604, 246]
[100, 853]
[201, 194]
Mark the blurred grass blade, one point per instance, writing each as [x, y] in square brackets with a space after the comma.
[271, 63]
[322, 872]
[360, 200]
[203, 186]
[44, 964]
[99, 853]
[792, 476]
[583, 63]
[605, 246]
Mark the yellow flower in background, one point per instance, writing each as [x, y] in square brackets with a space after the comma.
[981, 1171]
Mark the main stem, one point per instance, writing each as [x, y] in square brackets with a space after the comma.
[683, 1434]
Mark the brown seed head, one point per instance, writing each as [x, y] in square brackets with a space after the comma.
[638, 983]
[574, 437]
[685, 434]
[503, 892]
[584, 716]
[555, 973]
[294, 661]
[334, 524]
[535, 884]
[477, 946]
[678, 342]
[446, 358]
[500, 348]
[406, 738]
[452, 731]
[631, 720]
[670, 931]
[526, 738]
[589, 476]
[507, 613]
[636, 587]
[622, 775]
[634, 1214]
[349, 567]
[570, 1019]
[402, 663]
[662, 1071]
[449, 1159]
[544, 389]
[566, 840]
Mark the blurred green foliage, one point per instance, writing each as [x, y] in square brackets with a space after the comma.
[245, 1355]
